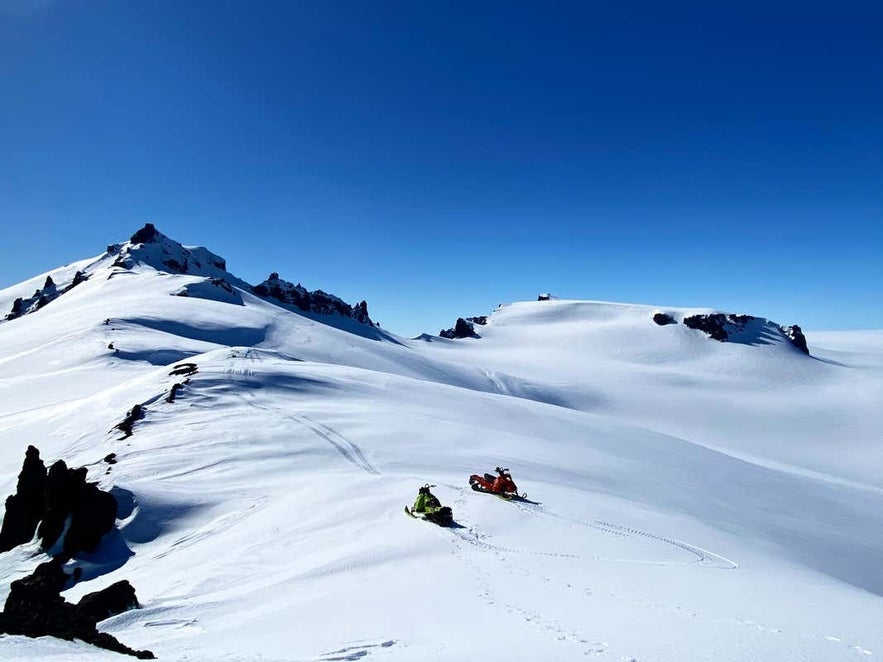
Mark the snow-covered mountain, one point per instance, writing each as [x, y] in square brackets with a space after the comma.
[690, 499]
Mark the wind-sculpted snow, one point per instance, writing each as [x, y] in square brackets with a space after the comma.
[694, 500]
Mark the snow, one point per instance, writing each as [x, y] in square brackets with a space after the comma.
[696, 500]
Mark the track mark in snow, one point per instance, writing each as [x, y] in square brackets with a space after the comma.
[172, 622]
[704, 557]
[350, 653]
[553, 628]
[347, 448]
[475, 539]
[350, 450]
[208, 530]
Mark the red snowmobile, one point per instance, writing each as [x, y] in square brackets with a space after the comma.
[502, 484]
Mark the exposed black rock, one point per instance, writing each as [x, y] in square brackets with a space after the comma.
[59, 487]
[461, 329]
[79, 277]
[174, 392]
[35, 608]
[43, 296]
[712, 324]
[17, 309]
[45, 501]
[110, 458]
[316, 301]
[724, 327]
[134, 414]
[24, 509]
[184, 369]
[795, 334]
[360, 312]
[115, 599]
[93, 513]
[544, 297]
[145, 235]
[480, 320]
[664, 318]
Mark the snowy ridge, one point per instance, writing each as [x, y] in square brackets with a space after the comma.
[695, 499]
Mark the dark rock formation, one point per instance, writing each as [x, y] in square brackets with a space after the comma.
[93, 514]
[24, 509]
[110, 458]
[45, 501]
[360, 312]
[545, 296]
[79, 277]
[115, 599]
[461, 329]
[17, 309]
[90, 511]
[134, 414]
[714, 325]
[184, 369]
[795, 335]
[316, 301]
[35, 608]
[145, 235]
[663, 318]
[745, 328]
[41, 297]
[174, 392]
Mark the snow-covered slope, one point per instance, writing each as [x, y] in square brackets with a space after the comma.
[695, 500]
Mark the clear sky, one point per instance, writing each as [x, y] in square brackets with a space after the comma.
[438, 158]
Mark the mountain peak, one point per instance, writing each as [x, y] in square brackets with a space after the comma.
[145, 235]
[152, 248]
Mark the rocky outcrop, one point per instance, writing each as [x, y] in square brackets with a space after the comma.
[42, 296]
[115, 599]
[35, 608]
[715, 325]
[148, 246]
[151, 247]
[663, 319]
[796, 337]
[146, 235]
[316, 301]
[727, 327]
[461, 329]
[89, 512]
[63, 504]
[45, 502]
[136, 413]
[25, 508]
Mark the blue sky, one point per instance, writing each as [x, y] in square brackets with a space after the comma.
[439, 158]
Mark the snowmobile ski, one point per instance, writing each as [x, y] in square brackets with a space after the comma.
[445, 525]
